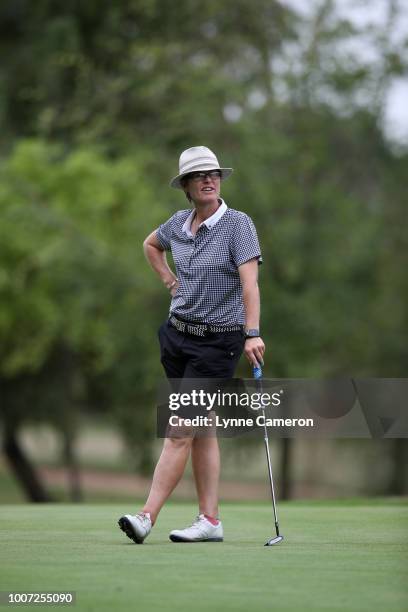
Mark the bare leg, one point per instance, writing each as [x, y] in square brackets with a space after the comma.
[205, 456]
[169, 470]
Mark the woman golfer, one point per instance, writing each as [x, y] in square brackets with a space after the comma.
[214, 316]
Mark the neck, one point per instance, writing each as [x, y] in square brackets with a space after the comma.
[205, 211]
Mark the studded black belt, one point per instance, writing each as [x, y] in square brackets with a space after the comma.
[201, 329]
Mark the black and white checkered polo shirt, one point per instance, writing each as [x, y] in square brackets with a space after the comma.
[209, 289]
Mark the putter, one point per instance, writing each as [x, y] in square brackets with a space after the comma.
[257, 373]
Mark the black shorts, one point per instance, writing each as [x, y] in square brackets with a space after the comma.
[213, 356]
[186, 358]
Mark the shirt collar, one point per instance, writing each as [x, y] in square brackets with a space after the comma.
[209, 223]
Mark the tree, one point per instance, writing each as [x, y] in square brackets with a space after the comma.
[71, 297]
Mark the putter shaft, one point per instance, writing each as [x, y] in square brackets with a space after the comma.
[257, 371]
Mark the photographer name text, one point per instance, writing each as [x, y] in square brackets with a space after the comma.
[225, 423]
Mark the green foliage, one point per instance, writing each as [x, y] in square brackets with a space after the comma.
[318, 188]
[74, 279]
[139, 70]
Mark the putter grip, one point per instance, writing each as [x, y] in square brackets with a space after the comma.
[257, 372]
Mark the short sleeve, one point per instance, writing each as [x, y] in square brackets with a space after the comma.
[164, 233]
[244, 244]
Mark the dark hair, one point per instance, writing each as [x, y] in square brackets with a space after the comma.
[183, 183]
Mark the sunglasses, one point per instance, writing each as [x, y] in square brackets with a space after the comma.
[200, 176]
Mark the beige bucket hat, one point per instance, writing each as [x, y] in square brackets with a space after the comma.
[196, 159]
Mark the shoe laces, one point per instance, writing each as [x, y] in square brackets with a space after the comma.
[198, 520]
[144, 518]
[199, 523]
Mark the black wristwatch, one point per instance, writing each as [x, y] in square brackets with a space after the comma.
[252, 333]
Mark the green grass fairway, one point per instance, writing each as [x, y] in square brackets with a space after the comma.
[335, 556]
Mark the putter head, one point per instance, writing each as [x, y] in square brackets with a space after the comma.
[274, 540]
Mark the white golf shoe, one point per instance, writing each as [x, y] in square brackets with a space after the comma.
[136, 527]
[202, 530]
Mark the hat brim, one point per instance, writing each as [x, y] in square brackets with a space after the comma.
[176, 181]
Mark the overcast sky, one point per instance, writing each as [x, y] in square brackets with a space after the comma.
[364, 13]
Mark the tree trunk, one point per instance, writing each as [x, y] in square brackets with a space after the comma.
[286, 457]
[23, 469]
[74, 481]
[399, 457]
